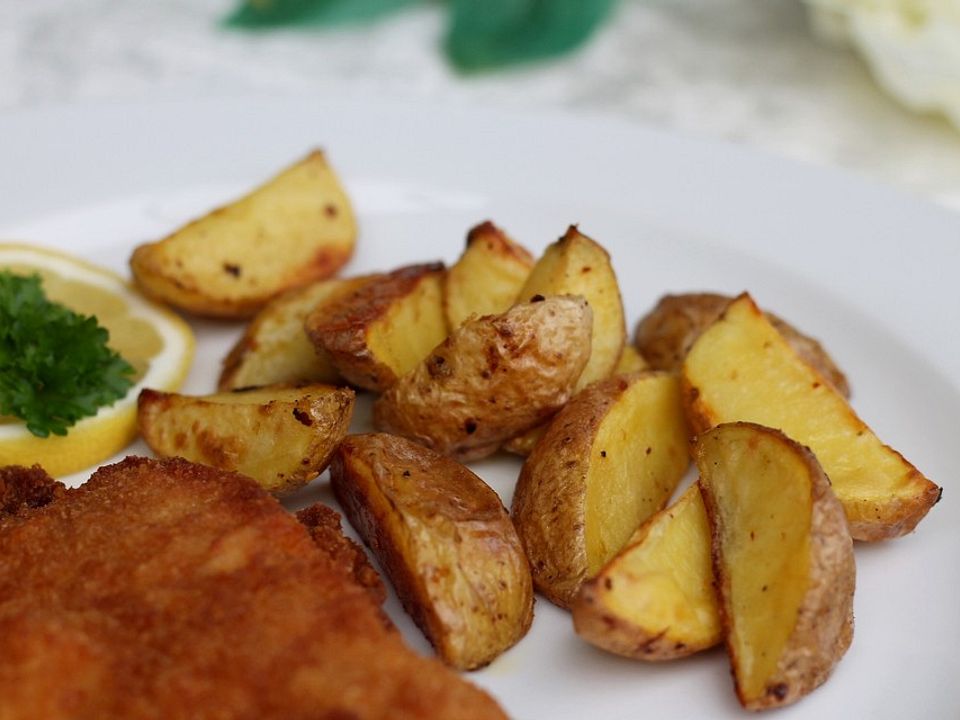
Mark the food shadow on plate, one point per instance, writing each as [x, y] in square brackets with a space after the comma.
[573, 657]
[317, 490]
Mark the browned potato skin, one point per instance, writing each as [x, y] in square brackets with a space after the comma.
[668, 331]
[558, 562]
[487, 277]
[282, 436]
[824, 625]
[444, 540]
[220, 289]
[274, 347]
[341, 329]
[493, 377]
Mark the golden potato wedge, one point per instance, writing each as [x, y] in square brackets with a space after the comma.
[609, 460]
[445, 541]
[783, 559]
[655, 599]
[577, 265]
[630, 361]
[281, 436]
[492, 378]
[383, 329]
[741, 368]
[295, 229]
[487, 277]
[275, 348]
[666, 333]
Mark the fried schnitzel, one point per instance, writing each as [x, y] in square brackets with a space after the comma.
[163, 589]
[22, 487]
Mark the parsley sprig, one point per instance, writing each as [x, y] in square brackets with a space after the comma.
[55, 366]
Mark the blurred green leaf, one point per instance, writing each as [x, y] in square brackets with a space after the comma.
[491, 33]
[275, 13]
[482, 33]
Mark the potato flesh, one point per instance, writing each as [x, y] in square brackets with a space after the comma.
[666, 333]
[292, 199]
[637, 458]
[551, 507]
[275, 348]
[576, 265]
[630, 361]
[296, 228]
[261, 396]
[411, 328]
[281, 437]
[487, 277]
[667, 578]
[741, 368]
[524, 443]
[763, 499]
[378, 332]
[655, 600]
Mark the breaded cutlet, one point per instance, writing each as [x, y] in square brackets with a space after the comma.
[24, 488]
[164, 589]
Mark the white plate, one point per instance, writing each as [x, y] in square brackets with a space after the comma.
[871, 272]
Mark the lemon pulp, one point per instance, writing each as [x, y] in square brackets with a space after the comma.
[157, 342]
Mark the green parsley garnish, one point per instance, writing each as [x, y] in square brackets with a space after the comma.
[55, 366]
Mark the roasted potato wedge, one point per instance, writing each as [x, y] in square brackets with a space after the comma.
[281, 436]
[295, 229]
[444, 540]
[783, 560]
[741, 368]
[275, 349]
[577, 265]
[609, 460]
[655, 599]
[487, 277]
[492, 378]
[666, 333]
[383, 329]
[630, 361]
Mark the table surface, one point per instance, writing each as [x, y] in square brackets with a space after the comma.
[740, 70]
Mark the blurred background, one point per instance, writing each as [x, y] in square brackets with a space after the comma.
[868, 85]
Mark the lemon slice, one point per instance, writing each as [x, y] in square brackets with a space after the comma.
[157, 342]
